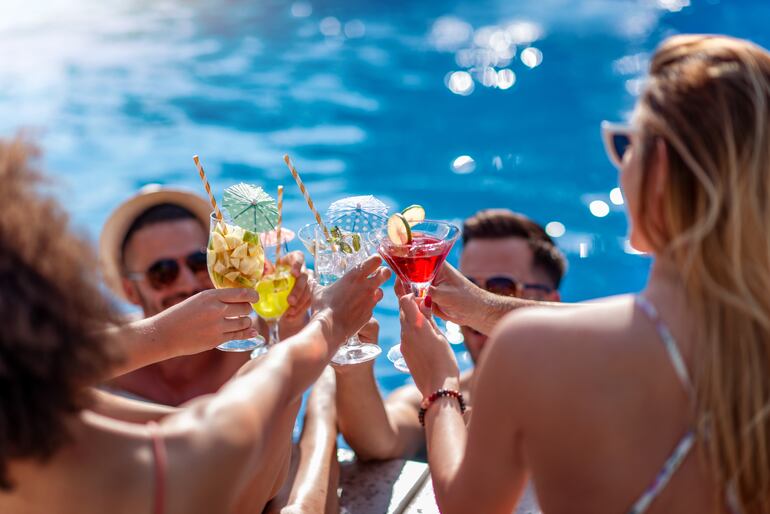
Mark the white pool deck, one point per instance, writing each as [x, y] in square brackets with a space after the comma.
[396, 487]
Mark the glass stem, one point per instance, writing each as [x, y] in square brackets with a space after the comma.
[420, 290]
[353, 341]
[273, 327]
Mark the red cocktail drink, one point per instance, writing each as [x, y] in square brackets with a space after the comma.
[418, 258]
[418, 261]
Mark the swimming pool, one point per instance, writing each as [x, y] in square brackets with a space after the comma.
[456, 105]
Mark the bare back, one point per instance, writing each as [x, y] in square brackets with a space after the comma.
[110, 466]
[598, 407]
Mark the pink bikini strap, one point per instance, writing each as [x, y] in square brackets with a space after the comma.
[160, 458]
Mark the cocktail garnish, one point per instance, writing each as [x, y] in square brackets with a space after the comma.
[414, 214]
[339, 239]
[235, 257]
[399, 230]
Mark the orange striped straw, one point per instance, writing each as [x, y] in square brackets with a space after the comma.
[309, 201]
[278, 225]
[208, 190]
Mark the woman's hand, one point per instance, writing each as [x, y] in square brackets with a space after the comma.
[204, 321]
[426, 351]
[346, 305]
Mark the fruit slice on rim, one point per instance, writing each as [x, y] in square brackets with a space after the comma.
[399, 231]
[414, 214]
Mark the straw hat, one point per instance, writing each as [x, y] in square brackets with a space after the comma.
[114, 231]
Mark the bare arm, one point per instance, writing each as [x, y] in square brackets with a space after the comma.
[457, 299]
[197, 324]
[233, 430]
[374, 428]
[481, 468]
[126, 409]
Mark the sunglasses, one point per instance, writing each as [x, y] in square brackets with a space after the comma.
[617, 140]
[508, 286]
[164, 272]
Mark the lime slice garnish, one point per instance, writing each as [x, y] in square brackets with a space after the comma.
[399, 231]
[414, 214]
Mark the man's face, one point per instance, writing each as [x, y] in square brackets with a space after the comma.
[509, 257]
[165, 240]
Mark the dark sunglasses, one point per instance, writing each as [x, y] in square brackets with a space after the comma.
[617, 140]
[507, 286]
[164, 272]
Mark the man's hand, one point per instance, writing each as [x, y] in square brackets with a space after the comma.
[300, 297]
[369, 334]
[452, 296]
[204, 321]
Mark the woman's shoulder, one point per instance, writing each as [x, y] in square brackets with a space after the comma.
[559, 357]
[577, 320]
[568, 336]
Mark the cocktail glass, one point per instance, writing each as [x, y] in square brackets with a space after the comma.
[330, 264]
[235, 259]
[417, 262]
[273, 302]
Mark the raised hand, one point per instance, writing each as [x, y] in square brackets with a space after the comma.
[453, 297]
[301, 295]
[347, 304]
[425, 349]
[204, 320]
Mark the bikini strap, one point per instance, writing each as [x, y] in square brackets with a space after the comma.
[664, 476]
[669, 343]
[160, 459]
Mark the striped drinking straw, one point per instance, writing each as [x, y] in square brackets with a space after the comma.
[211, 195]
[278, 225]
[309, 201]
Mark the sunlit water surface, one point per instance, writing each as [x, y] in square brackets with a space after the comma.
[457, 105]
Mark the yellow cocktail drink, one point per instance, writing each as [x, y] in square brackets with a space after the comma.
[274, 292]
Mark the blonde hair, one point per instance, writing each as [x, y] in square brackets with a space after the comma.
[708, 100]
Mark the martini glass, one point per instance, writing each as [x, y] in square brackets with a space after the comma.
[235, 259]
[417, 262]
[330, 264]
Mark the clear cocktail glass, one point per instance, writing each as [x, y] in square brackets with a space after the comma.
[235, 258]
[330, 264]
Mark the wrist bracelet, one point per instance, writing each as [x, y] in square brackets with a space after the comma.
[441, 393]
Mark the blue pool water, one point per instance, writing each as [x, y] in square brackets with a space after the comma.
[457, 105]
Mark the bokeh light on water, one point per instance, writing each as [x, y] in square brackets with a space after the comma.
[456, 105]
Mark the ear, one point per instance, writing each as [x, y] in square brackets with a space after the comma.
[553, 296]
[129, 288]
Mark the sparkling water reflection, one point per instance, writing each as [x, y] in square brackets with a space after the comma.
[455, 105]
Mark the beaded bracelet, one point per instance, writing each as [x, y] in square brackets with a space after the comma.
[441, 393]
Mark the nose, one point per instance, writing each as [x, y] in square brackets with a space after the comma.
[187, 280]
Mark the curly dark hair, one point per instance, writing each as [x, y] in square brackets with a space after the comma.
[51, 313]
[502, 223]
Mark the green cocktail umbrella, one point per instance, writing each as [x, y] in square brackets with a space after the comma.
[250, 207]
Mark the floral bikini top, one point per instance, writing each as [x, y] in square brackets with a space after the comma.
[682, 449]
